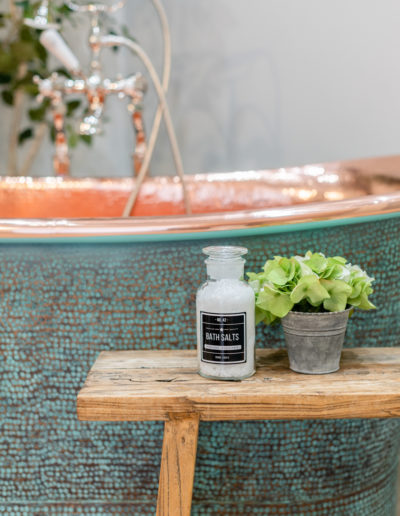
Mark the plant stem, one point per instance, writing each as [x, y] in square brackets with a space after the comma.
[13, 10]
[15, 124]
[14, 20]
[34, 149]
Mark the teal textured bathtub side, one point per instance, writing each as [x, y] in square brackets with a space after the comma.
[62, 304]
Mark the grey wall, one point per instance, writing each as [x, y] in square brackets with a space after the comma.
[260, 83]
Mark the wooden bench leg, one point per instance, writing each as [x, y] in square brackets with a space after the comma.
[177, 466]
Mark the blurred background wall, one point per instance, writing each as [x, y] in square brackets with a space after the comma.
[255, 84]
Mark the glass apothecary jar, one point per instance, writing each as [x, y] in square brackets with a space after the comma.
[225, 317]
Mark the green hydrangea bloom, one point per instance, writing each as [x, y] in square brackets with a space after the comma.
[310, 283]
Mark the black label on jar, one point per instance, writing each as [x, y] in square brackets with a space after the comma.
[223, 338]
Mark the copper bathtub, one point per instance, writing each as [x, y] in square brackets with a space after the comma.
[76, 278]
[238, 201]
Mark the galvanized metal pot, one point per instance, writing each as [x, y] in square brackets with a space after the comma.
[315, 340]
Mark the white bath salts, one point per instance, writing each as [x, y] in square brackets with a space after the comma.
[225, 317]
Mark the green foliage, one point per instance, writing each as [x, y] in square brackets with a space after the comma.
[72, 106]
[86, 138]
[21, 58]
[7, 97]
[38, 114]
[25, 135]
[310, 283]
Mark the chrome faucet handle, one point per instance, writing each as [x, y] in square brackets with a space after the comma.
[136, 83]
[42, 19]
[49, 87]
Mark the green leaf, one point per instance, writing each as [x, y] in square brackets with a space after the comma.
[269, 318]
[277, 276]
[86, 138]
[37, 114]
[5, 78]
[302, 269]
[73, 139]
[357, 288]
[41, 52]
[361, 288]
[317, 262]
[25, 135]
[363, 302]
[27, 80]
[64, 72]
[52, 133]
[289, 266]
[27, 34]
[339, 259]
[7, 63]
[8, 97]
[23, 4]
[279, 271]
[309, 288]
[64, 10]
[360, 292]
[273, 271]
[72, 105]
[22, 51]
[275, 302]
[253, 276]
[31, 89]
[260, 315]
[300, 291]
[339, 292]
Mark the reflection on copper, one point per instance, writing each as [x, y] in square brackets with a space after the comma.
[62, 207]
[140, 144]
[334, 196]
[61, 162]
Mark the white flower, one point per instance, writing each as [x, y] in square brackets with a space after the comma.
[305, 269]
[357, 272]
[345, 274]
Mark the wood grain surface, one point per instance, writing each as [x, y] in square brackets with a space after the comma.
[177, 466]
[154, 385]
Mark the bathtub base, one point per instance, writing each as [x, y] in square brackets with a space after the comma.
[63, 304]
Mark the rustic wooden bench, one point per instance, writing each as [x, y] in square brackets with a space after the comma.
[165, 386]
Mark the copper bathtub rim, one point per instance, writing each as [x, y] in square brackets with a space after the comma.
[298, 217]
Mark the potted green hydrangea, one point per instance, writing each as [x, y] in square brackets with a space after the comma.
[313, 296]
